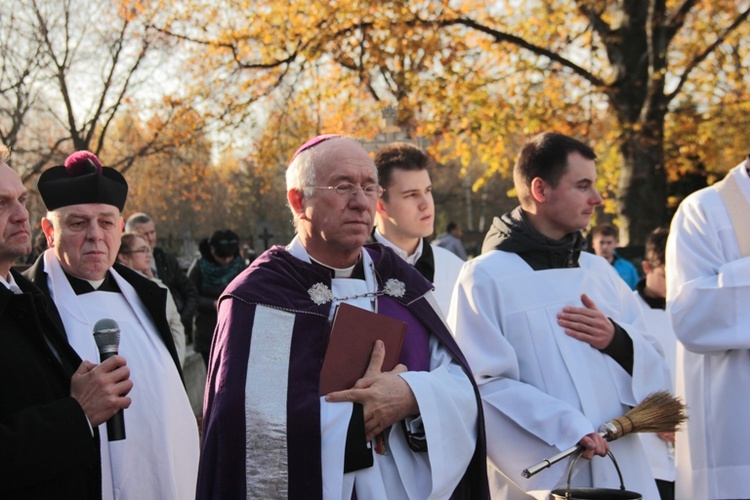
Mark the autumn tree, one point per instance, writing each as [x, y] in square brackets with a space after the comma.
[278, 64]
[178, 188]
[477, 77]
[641, 56]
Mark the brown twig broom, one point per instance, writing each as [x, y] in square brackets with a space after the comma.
[658, 412]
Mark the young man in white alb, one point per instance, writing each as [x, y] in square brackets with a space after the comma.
[555, 338]
[406, 216]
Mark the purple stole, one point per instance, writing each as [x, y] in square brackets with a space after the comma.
[415, 351]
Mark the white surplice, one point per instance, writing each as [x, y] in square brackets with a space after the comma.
[708, 297]
[448, 416]
[543, 390]
[660, 453]
[447, 267]
[159, 456]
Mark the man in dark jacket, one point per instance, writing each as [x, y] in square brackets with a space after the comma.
[220, 262]
[49, 399]
[168, 270]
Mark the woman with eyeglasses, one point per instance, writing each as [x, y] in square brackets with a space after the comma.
[135, 253]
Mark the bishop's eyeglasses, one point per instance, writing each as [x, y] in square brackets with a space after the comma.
[373, 191]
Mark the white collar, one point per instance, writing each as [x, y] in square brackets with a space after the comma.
[298, 250]
[410, 259]
[11, 284]
[338, 272]
[94, 283]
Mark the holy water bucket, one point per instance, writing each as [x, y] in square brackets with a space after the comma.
[594, 493]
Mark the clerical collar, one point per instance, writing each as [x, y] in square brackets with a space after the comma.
[356, 270]
[410, 259]
[81, 286]
[297, 249]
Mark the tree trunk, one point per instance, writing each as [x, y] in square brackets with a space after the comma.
[642, 196]
[637, 51]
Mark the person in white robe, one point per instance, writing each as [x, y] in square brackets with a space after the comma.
[405, 217]
[651, 293]
[159, 456]
[553, 335]
[708, 298]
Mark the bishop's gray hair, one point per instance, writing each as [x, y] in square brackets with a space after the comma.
[301, 172]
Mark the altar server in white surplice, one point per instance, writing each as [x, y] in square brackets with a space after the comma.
[159, 456]
[554, 336]
[708, 298]
[405, 217]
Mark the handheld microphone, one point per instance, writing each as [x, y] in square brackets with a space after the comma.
[107, 337]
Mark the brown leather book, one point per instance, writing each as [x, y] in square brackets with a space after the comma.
[353, 335]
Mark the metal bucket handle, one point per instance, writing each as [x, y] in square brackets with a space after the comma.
[575, 461]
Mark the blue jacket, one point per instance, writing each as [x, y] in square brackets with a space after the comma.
[626, 270]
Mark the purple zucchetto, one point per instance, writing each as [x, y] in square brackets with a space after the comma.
[312, 143]
[82, 180]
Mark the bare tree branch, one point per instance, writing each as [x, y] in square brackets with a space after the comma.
[43, 160]
[502, 37]
[232, 47]
[61, 68]
[112, 110]
[90, 125]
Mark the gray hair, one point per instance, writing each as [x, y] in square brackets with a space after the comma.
[137, 219]
[54, 217]
[301, 172]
